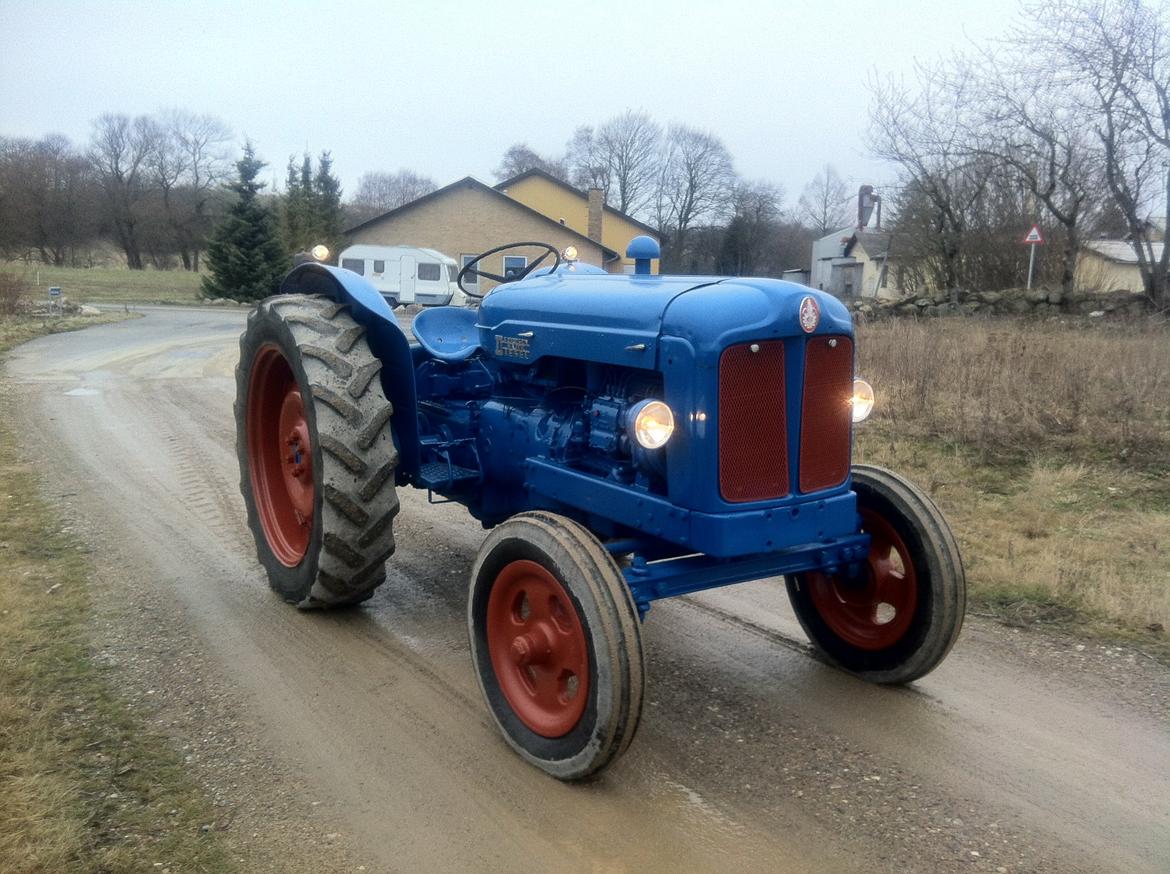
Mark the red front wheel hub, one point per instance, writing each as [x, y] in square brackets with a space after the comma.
[876, 611]
[536, 641]
[280, 456]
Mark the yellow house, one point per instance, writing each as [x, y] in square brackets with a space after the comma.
[1110, 265]
[468, 217]
[585, 213]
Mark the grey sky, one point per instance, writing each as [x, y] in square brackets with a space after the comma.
[445, 87]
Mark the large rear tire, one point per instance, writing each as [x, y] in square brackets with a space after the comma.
[316, 453]
[556, 644]
[901, 617]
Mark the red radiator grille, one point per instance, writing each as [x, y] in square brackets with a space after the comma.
[825, 416]
[753, 450]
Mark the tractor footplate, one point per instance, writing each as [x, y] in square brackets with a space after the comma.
[441, 476]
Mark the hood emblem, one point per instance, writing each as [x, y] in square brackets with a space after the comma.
[810, 315]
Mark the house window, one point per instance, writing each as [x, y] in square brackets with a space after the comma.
[428, 272]
[356, 265]
[514, 265]
[470, 278]
[379, 268]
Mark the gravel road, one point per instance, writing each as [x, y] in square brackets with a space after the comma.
[358, 740]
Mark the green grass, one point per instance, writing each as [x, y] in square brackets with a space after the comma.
[110, 285]
[84, 785]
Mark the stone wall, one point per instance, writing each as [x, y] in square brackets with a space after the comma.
[1037, 302]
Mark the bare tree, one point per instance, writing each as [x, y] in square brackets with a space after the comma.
[588, 167]
[120, 149]
[754, 224]
[1024, 122]
[696, 182]
[824, 203]
[380, 192]
[922, 129]
[620, 158]
[189, 159]
[46, 198]
[1113, 58]
[520, 158]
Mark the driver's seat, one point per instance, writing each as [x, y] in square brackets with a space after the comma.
[447, 333]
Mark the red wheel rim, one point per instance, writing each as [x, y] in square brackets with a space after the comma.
[280, 456]
[875, 612]
[537, 645]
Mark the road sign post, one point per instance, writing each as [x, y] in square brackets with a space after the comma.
[55, 299]
[1034, 238]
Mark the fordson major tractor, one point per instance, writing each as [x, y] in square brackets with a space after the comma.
[625, 438]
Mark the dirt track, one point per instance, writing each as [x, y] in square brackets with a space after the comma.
[1019, 753]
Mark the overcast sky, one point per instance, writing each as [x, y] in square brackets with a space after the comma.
[445, 87]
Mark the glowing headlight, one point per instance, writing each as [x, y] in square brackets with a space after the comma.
[651, 423]
[862, 400]
[319, 252]
[570, 253]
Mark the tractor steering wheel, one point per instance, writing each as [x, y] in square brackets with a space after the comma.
[470, 268]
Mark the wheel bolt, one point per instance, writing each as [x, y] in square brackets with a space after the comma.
[531, 649]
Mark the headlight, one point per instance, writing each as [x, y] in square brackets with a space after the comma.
[319, 252]
[570, 254]
[862, 400]
[650, 423]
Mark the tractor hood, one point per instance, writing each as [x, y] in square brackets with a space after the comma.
[616, 319]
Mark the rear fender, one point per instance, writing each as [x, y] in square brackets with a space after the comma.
[387, 341]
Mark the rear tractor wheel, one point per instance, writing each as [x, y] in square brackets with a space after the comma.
[316, 454]
[900, 617]
[556, 644]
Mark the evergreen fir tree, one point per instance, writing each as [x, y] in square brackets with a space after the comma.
[327, 204]
[244, 255]
[292, 212]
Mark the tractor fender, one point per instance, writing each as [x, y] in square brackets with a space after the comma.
[387, 341]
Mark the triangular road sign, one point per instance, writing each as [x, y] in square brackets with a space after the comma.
[1034, 236]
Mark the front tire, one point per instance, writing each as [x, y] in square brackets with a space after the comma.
[899, 620]
[317, 457]
[556, 644]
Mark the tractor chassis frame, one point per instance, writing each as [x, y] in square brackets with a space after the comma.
[653, 580]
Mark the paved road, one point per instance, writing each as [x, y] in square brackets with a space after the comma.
[1019, 753]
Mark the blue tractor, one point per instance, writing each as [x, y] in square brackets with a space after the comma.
[625, 438]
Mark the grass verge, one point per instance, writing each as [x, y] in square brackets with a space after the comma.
[84, 786]
[1045, 443]
[111, 285]
[1047, 540]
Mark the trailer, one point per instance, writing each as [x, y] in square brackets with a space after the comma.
[406, 274]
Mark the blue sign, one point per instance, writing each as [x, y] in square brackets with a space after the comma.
[55, 291]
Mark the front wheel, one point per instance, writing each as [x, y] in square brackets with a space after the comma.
[556, 644]
[900, 617]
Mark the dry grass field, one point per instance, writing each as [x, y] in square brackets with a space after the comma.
[1047, 445]
[93, 285]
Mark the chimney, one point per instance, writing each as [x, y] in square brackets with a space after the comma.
[596, 209]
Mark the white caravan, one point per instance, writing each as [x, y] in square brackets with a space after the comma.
[406, 274]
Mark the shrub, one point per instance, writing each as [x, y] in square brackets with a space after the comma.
[14, 293]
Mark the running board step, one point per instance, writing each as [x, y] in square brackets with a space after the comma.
[441, 476]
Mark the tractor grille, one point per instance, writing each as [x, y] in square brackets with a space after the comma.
[825, 416]
[753, 447]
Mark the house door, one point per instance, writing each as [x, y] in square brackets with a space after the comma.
[406, 270]
[845, 280]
